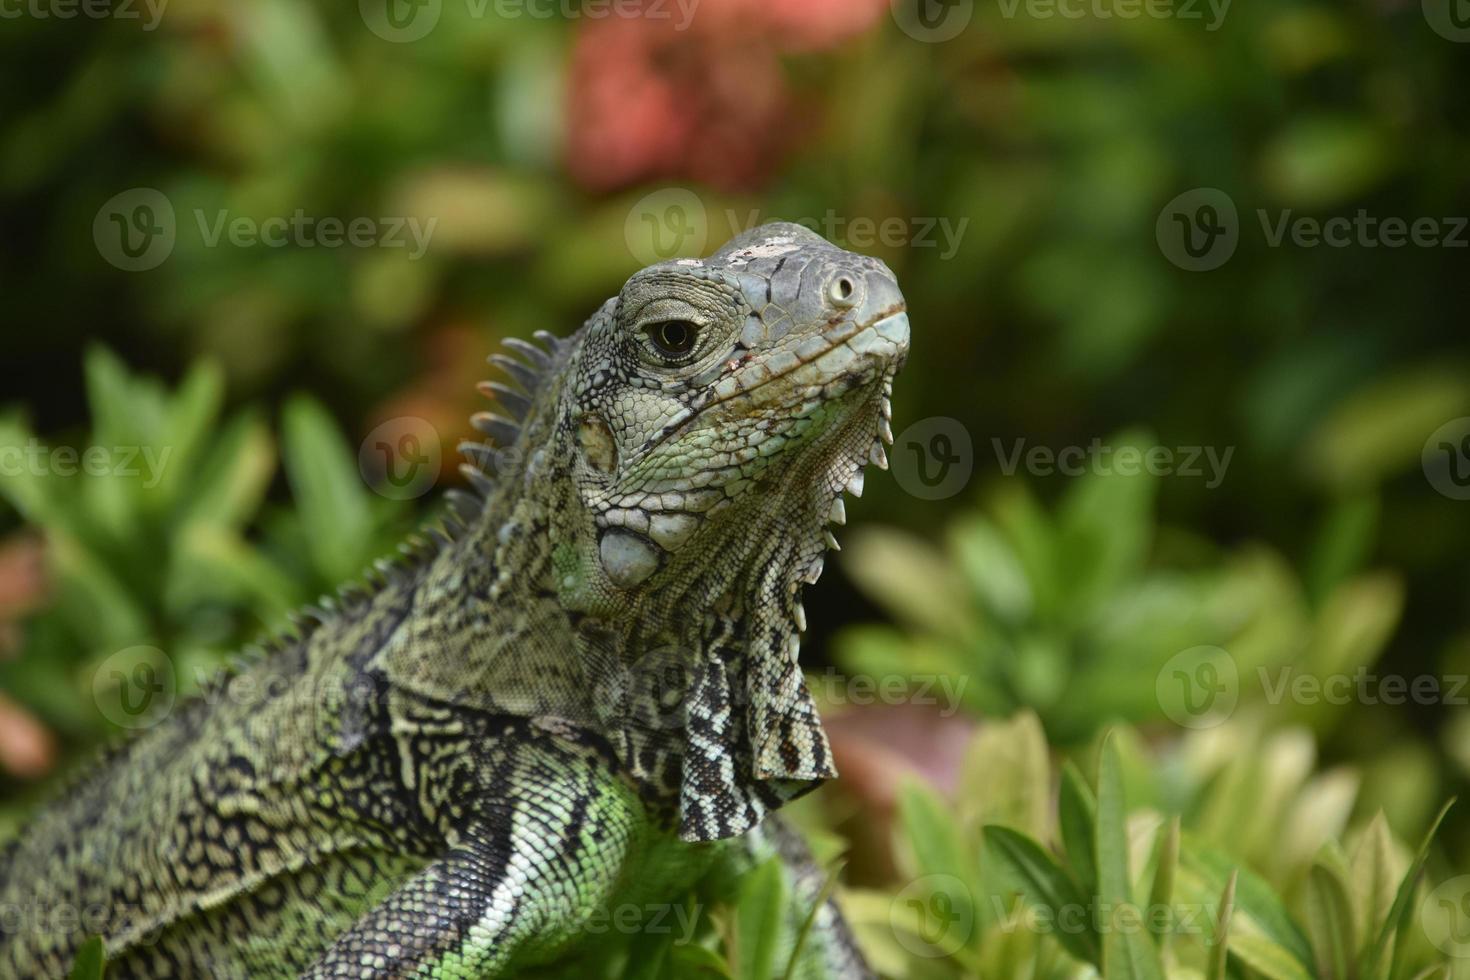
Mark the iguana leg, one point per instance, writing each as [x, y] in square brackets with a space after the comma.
[829, 952]
[514, 888]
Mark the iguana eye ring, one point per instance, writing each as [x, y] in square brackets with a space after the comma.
[673, 338]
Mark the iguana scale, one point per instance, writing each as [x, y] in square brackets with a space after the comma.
[583, 691]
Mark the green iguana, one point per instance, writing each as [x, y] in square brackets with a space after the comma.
[583, 690]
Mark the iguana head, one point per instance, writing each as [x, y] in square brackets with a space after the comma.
[735, 394]
[697, 440]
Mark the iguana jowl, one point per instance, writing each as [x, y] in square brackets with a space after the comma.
[585, 692]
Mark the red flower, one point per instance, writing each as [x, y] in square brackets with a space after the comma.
[704, 99]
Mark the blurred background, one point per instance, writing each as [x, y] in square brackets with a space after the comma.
[1186, 419]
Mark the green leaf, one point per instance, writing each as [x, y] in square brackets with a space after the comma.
[1220, 945]
[1263, 935]
[192, 415]
[1375, 870]
[1165, 860]
[758, 912]
[231, 481]
[1128, 953]
[994, 572]
[648, 959]
[120, 408]
[91, 961]
[690, 960]
[1045, 884]
[1076, 816]
[1329, 921]
[330, 497]
[910, 578]
[1397, 920]
[1380, 429]
[1105, 523]
[931, 834]
[1344, 541]
[1006, 776]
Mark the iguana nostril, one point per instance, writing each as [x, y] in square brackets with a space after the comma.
[841, 292]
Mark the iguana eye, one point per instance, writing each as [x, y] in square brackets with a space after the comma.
[673, 338]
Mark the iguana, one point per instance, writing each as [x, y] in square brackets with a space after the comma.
[582, 690]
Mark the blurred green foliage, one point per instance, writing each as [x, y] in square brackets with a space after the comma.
[1053, 142]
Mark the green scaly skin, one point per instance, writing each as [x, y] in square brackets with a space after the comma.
[583, 695]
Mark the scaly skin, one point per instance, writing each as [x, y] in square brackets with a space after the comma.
[584, 694]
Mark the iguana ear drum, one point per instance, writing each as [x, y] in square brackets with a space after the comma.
[599, 448]
[628, 558]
